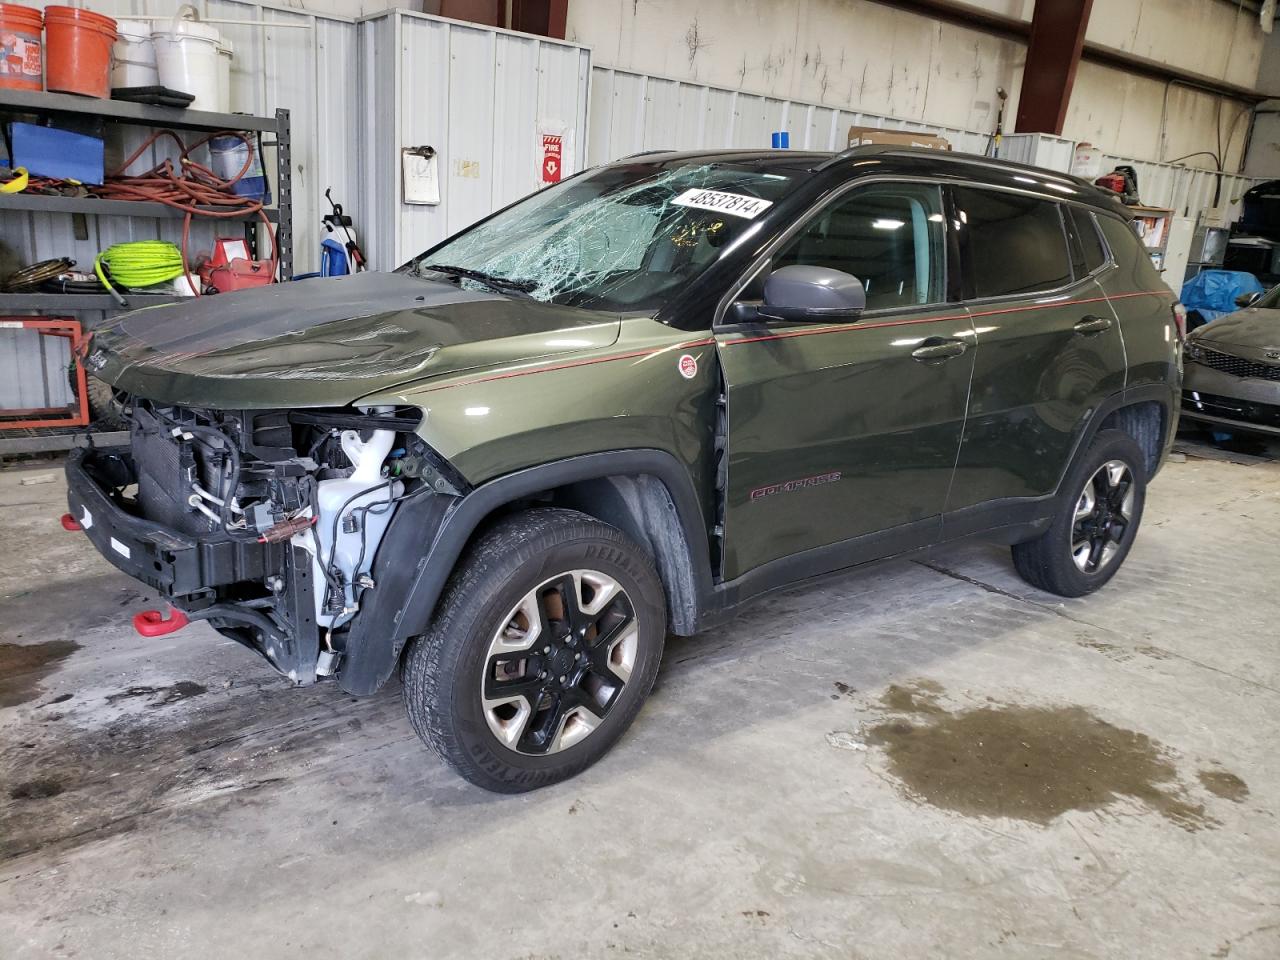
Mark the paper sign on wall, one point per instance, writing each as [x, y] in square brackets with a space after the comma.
[554, 151]
[421, 175]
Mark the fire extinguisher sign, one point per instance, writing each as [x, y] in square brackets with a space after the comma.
[555, 151]
[552, 157]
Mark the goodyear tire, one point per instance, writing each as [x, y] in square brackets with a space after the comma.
[541, 653]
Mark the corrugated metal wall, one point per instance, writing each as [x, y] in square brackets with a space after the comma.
[33, 370]
[474, 94]
[307, 67]
[359, 92]
[631, 112]
[1189, 191]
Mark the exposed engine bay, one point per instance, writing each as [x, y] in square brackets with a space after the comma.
[278, 513]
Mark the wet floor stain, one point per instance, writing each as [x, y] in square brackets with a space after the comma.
[1024, 762]
[161, 696]
[1224, 784]
[24, 665]
[36, 790]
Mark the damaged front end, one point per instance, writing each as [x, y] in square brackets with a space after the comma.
[265, 523]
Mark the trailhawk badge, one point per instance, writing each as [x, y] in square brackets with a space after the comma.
[688, 366]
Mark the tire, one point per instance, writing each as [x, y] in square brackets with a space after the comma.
[1052, 561]
[105, 407]
[512, 707]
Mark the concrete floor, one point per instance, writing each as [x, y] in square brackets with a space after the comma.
[918, 759]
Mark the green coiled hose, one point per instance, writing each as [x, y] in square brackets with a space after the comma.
[140, 263]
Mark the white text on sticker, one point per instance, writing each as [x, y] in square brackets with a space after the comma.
[734, 204]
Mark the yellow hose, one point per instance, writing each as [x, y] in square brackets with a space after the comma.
[141, 263]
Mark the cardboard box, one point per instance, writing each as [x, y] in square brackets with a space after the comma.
[858, 136]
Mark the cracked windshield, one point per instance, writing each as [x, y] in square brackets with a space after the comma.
[623, 238]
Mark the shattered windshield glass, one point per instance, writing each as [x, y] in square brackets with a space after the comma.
[619, 238]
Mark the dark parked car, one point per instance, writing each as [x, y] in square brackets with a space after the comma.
[1232, 378]
[620, 408]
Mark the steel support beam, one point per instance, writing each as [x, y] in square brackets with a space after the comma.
[1011, 28]
[546, 18]
[1053, 54]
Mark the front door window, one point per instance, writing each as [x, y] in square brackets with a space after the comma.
[889, 236]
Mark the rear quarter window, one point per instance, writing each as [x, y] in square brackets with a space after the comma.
[1127, 249]
[1086, 232]
[1013, 244]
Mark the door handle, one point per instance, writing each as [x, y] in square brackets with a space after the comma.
[940, 350]
[1090, 325]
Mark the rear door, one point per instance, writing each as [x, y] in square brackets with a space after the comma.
[1048, 349]
[841, 431]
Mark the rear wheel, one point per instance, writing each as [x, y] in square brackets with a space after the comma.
[1099, 510]
[542, 651]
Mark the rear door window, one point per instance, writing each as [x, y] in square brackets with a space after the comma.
[1014, 244]
[891, 236]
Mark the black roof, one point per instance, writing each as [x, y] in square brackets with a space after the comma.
[914, 160]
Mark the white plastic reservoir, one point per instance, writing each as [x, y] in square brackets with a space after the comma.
[360, 508]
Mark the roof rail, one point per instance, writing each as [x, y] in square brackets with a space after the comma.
[646, 153]
[849, 154]
[951, 156]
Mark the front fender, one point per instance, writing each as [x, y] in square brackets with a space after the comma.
[428, 535]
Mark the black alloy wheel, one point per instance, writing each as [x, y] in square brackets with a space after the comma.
[559, 662]
[1103, 513]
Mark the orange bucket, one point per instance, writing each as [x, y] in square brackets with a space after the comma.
[21, 56]
[79, 51]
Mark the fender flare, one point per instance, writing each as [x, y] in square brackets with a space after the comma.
[1160, 393]
[410, 579]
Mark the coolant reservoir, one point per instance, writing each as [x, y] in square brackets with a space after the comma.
[359, 508]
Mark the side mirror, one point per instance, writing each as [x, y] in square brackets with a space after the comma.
[1248, 299]
[807, 294]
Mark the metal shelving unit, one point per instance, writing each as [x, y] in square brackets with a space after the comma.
[69, 302]
[109, 208]
[16, 104]
[126, 111]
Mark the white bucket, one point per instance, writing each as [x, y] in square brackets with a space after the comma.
[226, 52]
[1087, 161]
[133, 56]
[187, 60]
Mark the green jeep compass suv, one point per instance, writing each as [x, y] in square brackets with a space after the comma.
[623, 406]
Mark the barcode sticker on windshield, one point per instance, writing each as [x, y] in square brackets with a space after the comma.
[732, 203]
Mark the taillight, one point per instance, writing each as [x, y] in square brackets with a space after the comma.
[1180, 321]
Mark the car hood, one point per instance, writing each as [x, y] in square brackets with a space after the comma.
[328, 342]
[1252, 327]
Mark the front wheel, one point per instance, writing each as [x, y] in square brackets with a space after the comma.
[1099, 510]
[541, 653]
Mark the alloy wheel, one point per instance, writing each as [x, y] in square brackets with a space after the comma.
[1103, 514]
[559, 661]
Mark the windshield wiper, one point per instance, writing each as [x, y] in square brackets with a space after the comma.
[492, 281]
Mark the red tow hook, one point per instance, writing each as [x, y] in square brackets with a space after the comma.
[152, 623]
[69, 522]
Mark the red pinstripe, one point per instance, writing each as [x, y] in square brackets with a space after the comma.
[573, 363]
[843, 328]
[851, 327]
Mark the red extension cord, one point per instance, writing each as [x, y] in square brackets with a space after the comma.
[196, 190]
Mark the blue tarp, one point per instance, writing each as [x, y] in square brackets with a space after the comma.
[1213, 292]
